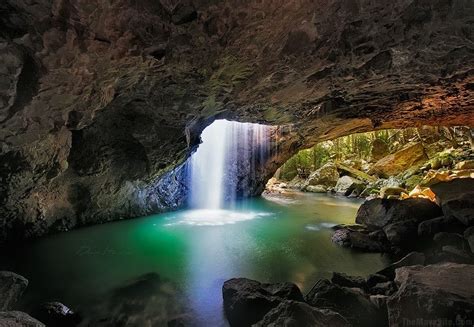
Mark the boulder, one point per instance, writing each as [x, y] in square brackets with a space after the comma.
[430, 227]
[442, 292]
[352, 304]
[447, 190]
[12, 287]
[184, 12]
[327, 176]
[247, 301]
[411, 259]
[377, 213]
[385, 288]
[379, 150]
[293, 313]
[359, 240]
[466, 164]
[18, 319]
[374, 279]
[316, 189]
[403, 233]
[453, 239]
[387, 191]
[346, 184]
[469, 236]
[398, 162]
[56, 314]
[344, 280]
[461, 208]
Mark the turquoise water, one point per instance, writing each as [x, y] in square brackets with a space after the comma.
[272, 239]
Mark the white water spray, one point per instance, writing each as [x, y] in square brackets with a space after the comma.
[224, 165]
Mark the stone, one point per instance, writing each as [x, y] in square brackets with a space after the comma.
[441, 292]
[56, 314]
[18, 319]
[346, 184]
[456, 240]
[377, 213]
[359, 240]
[247, 301]
[293, 313]
[467, 164]
[430, 227]
[411, 259]
[12, 287]
[385, 288]
[351, 303]
[456, 254]
[316, 189]
[389, 191]
[374, 279]
[469, 236]
[326, 176]
[345, 280]
[448, 190]
[461, 208]
[398, 162]
[379, 150]
[380, 301]
[402, 233]
[184, 12]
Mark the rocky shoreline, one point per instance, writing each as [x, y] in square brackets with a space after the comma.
[430, 284]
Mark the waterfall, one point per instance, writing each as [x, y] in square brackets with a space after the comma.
[226, 163]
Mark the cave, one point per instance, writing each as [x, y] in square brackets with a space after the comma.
[236, 163]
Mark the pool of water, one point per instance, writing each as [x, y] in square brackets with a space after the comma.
[146, 271]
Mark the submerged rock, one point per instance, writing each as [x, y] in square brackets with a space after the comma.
[316, 189]
[18, 319]
[293, 313]
[12, 287]
[443, 292]
[247, 301]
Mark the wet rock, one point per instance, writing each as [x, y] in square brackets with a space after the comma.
[359, 240]
[326, 176]
[352, 304]
[430, 227]
[443, 292]
[292, 313]
[56, 314]
[12, 287]
[247, 301]
[411, 259]
[346, 185]
[18, 319]
[377, 213]
[344, 280]
[399, 161]
[316, 189]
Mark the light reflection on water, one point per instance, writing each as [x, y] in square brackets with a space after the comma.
[185, 257]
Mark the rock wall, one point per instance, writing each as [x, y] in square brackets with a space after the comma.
[100, 101]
